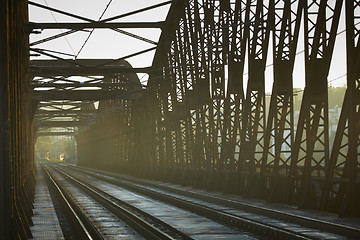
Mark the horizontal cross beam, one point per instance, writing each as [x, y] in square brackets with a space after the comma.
[41, 115]
[92, 25]
[60, 123]
[77, 85]
[70, 67]
[85, 95]
[39, 134]
[83, 71]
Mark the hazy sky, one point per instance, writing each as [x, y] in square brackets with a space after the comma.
[110, 44]
[103, 43]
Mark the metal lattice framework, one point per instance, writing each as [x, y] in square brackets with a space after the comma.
[310, 153]
[205, 123]
[342, 178]
[280, 130]
[203, 118]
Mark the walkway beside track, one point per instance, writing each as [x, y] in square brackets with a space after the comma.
[46, 223]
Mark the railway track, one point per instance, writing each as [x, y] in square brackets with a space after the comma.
[207, 198]
[191, 225]
[97, 215]
[238, 219]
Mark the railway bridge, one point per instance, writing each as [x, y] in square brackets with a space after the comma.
[226, 100]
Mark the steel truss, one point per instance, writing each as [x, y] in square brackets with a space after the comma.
[343, 175]
[279, 137]
[100, 77]
[207, 132]
[194, 124]
[310, 153]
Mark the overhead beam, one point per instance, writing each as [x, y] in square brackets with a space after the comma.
[106, 62]
[94, 25]
[50, 103]
[105, 20]
[137, 11]
[40, 134]
[71, 67]
[84, 95]
[66, 111]
[83, 71]
[60, 123]
[120, 62]
[60, 11]
[50, 115]
[84, 84]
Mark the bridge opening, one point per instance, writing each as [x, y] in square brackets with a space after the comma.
[56, 149]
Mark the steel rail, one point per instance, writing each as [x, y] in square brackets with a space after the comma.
[115, 206]
[83, 225]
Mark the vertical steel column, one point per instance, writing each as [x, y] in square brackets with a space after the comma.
[164, 130]
[218, 15]
[139, 154]
[85, 140]
[159, 91]
[196, 89]
[233, 106]
[5, 224]
[234, 65]
[311, 148]
[153, 132]
[202, 89]
[341, 192]
[176, 88]
[187, 89]
[192, 86]
[156, 114]
[16, 140]
[286, 18]
[199, 94]
[159, 135]
[254, 116]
